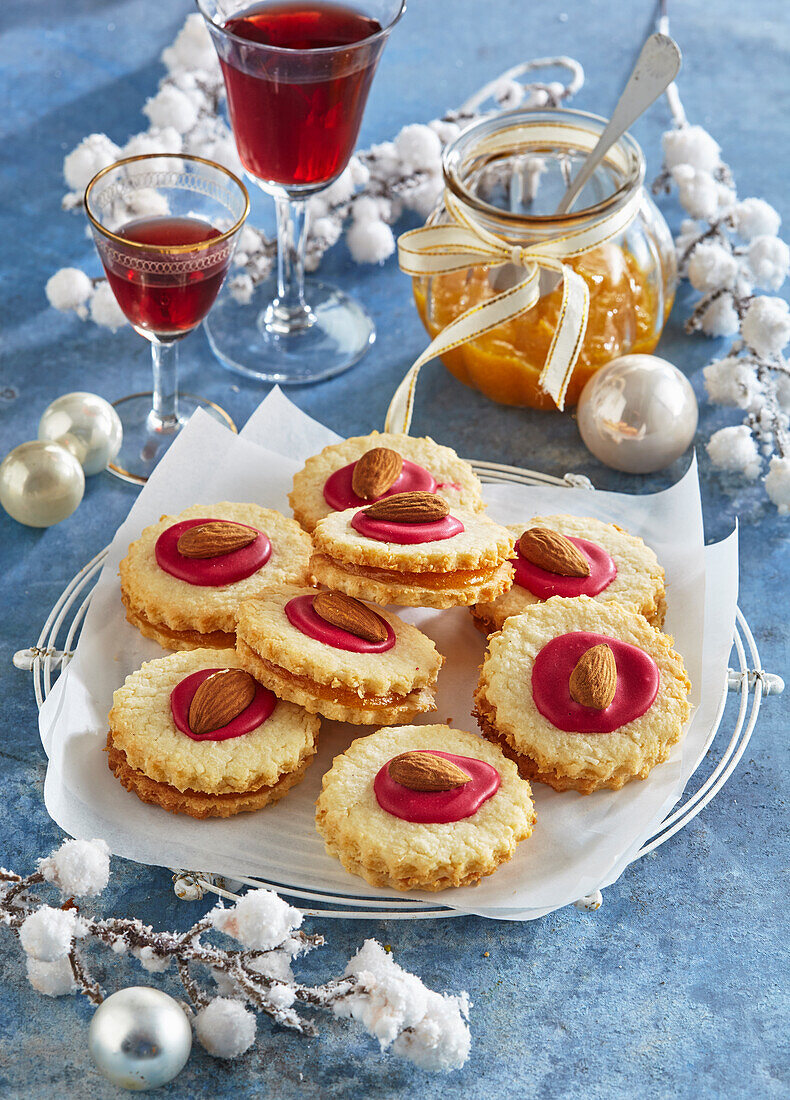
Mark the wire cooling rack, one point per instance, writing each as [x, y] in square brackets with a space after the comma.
[55, 647]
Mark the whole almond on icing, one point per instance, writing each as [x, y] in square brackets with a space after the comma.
[209, 540]
[409, 508]
[593, 682]
[422, 771]
[375, 472]
[349, 614]
[551, 551]
[219, 699]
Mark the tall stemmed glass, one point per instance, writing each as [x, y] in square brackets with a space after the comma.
[165, 228]
[297, 75]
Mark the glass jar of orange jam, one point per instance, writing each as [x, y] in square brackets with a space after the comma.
[513, 192]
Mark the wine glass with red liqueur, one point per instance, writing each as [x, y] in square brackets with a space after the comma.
[297, 76]
[165, 227]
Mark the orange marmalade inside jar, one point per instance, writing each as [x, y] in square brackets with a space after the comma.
[631, 278]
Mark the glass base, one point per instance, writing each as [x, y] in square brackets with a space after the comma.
[337, 334]
[144, 442]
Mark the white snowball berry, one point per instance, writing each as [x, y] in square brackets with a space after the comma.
[53, 979]
[171, 107]
[396, 1008]
[242, 289]
[446, 131]
[47, 934]
[720, 317]
[79, 868]
[777, 483]
[370, 242]
[697, 191]
[105, 309]
[691, 145]
[147, 202]
[735, 449]
[508, 94]
[360, 173]
[225, 1028]
[766, 325]
[341, 190]
[711, 266]
[769, 260]
[755, 218]
[731, 381]
[424, 198]
[782, 383]
[327, 230]
[166, 140]
[69, 289]
[93, 153]
[192, 49]
[419, 146]
[259, 919]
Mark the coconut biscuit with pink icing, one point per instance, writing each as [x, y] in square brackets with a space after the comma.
[336, 656]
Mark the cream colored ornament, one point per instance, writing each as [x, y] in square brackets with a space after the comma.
[637, 414]
[40, 483]
[86, 425]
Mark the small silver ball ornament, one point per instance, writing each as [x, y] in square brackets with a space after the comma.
[40, 483]
[86, 425]
[637, 414]
[140, 1038]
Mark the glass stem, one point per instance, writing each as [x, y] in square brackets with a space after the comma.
[164, 415]
[288, 312]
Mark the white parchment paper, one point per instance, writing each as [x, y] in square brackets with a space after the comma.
[579, 844]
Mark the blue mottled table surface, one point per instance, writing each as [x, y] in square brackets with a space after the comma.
[678, 985]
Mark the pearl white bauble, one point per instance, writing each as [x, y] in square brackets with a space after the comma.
[86, 425]
[638, 414]
[40, 483]
[140, 1038]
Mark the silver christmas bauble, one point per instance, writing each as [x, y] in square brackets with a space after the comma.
[638, 414]
[86, 425]
[140, 1038]
[40, 483]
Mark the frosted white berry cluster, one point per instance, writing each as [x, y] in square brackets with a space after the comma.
[377, 187]
[729, 250]
[227, 986]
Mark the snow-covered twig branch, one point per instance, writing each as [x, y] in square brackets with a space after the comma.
[228, 985]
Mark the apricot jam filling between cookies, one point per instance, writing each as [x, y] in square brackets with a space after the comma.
[253, 715]
[300, 614]
[210, 571]
[456, 578]
[544, 584]
[344, 697]
[636, 688]
[438, 807]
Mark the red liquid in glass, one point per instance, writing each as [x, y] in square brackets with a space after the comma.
[167, 293]
[296, 116]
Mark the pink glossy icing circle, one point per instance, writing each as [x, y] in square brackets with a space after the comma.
[210, 572]
[543, 584]
[300, 613]
[406, 534]
[438, 807]
[261, 707]
[638, 680]
[339, 495]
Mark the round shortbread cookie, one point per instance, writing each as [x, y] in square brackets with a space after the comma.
[457, 482]
[585, 762]
[464, 569]
[369, 688]
[142, 728]
[639, 582]
[176, 613]
[389, 851]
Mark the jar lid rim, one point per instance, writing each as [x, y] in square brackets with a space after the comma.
[504, 119]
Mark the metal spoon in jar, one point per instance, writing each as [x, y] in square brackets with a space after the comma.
[656, 67]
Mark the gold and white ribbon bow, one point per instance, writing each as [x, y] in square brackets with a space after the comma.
[465, 243]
